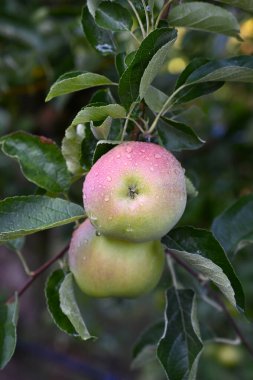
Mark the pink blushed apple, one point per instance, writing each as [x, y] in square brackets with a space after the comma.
[135, 192]
[104, 267]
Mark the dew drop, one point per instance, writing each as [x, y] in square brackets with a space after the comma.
[129, 229]
[98, 233]
[84, 196]
[96, 174]
[129, 149]
[158, 155]
[143, 150]
[109, 178]
[118, 156]
[106, 198]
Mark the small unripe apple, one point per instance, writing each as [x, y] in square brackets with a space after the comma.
[105, 267]
[135, 192]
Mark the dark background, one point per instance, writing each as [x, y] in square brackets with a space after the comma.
[40, 40]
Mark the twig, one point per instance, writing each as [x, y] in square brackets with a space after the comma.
[23, 262]
[215, 297]
[137, 17]
[37, 272]
[163, 13]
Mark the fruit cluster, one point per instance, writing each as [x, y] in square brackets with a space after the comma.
[133, 195]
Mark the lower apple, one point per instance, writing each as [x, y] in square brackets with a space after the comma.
[106, 267]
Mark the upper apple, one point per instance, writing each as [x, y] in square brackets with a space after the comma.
[135, 192]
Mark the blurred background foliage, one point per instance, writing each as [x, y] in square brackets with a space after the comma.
[40, 40]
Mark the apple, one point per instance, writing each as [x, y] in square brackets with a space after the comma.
[135, 192]
[105, 267]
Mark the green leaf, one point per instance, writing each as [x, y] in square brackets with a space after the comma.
[40, 160]
[102, 96]
[202, 251]
[177, 136]
[120, 63]
[145, 347]
[99, 38]
[201, 77]
[88, 147]
[102, 147]
[236, 69]
[70, 308]
[129, 58]
[15, 244]
[247, 5]
[180, 347]
[188, 93]
[97, 113]
[156, 63]
[71, 148]
[113, 16]
[155, 99]
[202, 16]
[92, 6]
[75, 81]
[234, 227]
[191, 190]
[101, 131]
[26, 215]
[53, 302]
[131, 80]
[8, 333]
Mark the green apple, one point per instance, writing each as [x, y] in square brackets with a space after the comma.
[135, 192]
[105, 267]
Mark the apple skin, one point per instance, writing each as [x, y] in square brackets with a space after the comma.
[135, 192]
[105, 267]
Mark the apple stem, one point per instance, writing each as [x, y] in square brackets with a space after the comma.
[214, 295]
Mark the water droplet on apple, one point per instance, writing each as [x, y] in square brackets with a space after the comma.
[158, 155]
[98, 233]
[84, 196]
[118, 156]
[109, 178]
[106, 198]
[96, 174]
[143, 150]
[129, 149]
